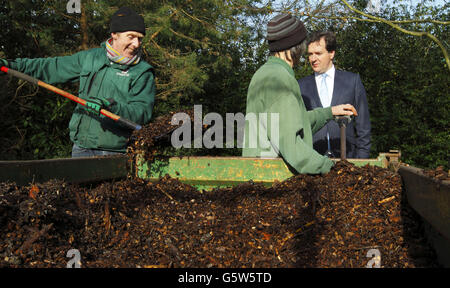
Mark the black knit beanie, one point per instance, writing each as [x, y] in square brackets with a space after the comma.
[126, 19]
[285, 31]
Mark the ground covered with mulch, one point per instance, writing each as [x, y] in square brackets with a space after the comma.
[334, 220]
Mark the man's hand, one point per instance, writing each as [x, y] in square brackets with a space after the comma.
[94, 105]
[344, 109]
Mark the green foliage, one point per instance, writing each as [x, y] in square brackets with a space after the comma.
[206, 51]
[34, 121]
[407, 82]
[199, 50]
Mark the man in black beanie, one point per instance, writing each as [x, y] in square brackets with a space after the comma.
[127, 30]
[113, 77]
[283, 126]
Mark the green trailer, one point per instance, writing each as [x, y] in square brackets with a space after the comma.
[201, 172]
[212, 172]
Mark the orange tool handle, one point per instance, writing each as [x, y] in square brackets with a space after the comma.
[80, 101]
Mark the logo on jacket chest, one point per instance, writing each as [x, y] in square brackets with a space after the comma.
[123, 73]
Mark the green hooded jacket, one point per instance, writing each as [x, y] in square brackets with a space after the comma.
[131, 87]
[285, 127]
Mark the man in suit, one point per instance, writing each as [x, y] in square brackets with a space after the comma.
[274, 92]
[330, 87]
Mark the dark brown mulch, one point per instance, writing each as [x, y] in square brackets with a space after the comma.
[306, 221]
[145, 141]
[439, 173]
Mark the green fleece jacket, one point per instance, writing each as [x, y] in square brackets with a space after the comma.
[131, 87]
[285, 127]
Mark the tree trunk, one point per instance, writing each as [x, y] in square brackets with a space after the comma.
[84, 28]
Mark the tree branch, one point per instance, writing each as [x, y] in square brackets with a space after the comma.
[377, 21]
[395, 26]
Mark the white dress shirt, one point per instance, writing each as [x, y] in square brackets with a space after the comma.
[326, 101]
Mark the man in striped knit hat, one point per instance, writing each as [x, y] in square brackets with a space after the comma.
[283, 127]
[113, 77]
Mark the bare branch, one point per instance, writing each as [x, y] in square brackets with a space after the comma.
[397, 27]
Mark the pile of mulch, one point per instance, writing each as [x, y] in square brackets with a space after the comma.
[439, 173]
[332, 220]
[145, 141]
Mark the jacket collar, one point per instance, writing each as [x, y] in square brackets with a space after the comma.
[110, 63]
[273, 59]
[330, 73]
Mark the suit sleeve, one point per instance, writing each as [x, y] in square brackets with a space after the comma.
[362, 121]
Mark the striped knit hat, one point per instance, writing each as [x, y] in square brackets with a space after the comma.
[285, 31]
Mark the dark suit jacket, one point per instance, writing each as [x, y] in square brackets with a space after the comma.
[348, 89]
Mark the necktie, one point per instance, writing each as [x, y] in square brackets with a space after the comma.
[325, 103]
[324, 91]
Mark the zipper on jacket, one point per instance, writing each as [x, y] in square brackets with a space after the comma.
[87, 95]
[90, 84]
